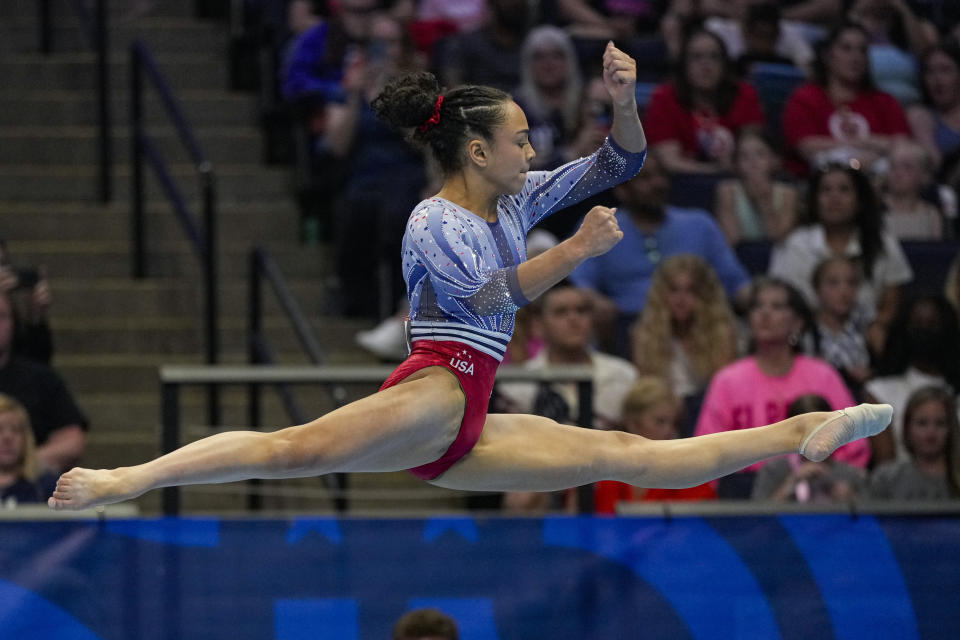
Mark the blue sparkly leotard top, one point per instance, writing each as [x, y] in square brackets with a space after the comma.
[461, 271]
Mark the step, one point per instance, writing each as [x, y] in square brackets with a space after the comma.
[166, 296]
[275, 222]
[124, 419]
[80, 144]
[235, 182]
[80, 107]
[94, 259]
[87, 373]
[184, 334]
[67, 10]
[163, 34]
[76, 71]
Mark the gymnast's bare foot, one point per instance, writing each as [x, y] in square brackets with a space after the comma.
[843, 427]
[84, 488]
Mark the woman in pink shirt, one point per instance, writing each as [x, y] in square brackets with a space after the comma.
[758, 389]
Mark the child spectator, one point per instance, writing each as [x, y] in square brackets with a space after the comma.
[931, 469]
[649, 410]
[840, 339]
[20, 478]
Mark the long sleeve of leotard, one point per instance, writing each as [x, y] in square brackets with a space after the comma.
[546, 192]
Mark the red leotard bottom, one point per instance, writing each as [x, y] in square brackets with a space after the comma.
[475, 370]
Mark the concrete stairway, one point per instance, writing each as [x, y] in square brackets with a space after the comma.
[112, 332]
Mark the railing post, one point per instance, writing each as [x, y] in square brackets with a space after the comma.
[585, 402]
[139, 258]
[170, 393]
[45, 26]
[103, 96]
[210, 286]
[254, 326]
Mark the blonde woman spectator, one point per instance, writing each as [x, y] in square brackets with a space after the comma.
[20, 480]
[687, 331]
[550, 92]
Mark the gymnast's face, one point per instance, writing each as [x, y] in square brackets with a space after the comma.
[506, 158]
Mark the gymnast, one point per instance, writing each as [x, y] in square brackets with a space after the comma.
[464, 262]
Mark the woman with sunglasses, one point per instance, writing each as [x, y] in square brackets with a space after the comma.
[467, 274]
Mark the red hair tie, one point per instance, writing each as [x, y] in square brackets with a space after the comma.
[435, 118]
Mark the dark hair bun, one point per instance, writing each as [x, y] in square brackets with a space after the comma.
[407, 101]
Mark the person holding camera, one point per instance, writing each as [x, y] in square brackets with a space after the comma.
[32, 336]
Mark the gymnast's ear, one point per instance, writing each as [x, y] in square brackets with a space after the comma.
[478, 152]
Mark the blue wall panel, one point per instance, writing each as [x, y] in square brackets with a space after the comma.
[503, 579]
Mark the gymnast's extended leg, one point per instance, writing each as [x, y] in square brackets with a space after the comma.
[530, 453]
[404, 426]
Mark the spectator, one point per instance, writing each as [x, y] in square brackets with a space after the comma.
[652, 231]
[758, 388]
[897, 38]
[794, 479]
[754, 205]
[632, 24]
[839, 339]
[692, 120]
[687, 331]
[425, 624]
[384, 176]
[931, 469]
[595, 120]
[936, 122]
[58, 425]
[757, 33]
[489, 55]
[845, 219]
[841, 115]
[32, 337]
[909, 194]
[550, 93]
[320, 55]
[564, 321]
[649, 410]
[922, 349]
[20, 480]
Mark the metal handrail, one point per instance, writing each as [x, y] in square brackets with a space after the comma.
[172, 378]
[263, 266]
[143, 67]
[96, 29]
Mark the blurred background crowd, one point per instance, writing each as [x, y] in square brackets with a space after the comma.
[789, 245]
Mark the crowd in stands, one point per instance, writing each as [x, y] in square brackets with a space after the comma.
[790, 244]
[803, 156]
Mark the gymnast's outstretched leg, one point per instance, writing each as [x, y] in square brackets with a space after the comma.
[530, 453]
[404, 426]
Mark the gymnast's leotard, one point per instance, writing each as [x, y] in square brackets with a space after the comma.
[461, 275]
